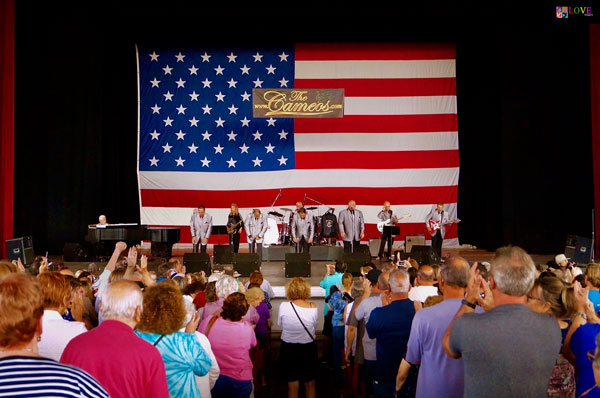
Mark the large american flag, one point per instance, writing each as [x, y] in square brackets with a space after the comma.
[200, 145]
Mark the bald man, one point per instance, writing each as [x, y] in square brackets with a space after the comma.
[425, 285]
[386, 214]
[352, 227]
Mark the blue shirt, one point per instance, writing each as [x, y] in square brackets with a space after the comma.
[327, 282]
[390, 325]
[184, 357]
[594, 296]
[583, 341]
[337, 303]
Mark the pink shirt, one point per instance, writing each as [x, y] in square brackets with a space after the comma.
[231, 343]
[251, 316]
[124, 364]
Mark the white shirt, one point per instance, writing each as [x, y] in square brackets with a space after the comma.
[420, 293]
[56, 334]
[292, 329]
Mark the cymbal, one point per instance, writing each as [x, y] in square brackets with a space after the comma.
[311, 208]
[285, 209]
[274, 213]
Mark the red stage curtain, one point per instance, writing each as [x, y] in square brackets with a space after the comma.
[7, 120]
[595, 105]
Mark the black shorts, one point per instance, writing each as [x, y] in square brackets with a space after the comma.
[298, 362]
[327, 326]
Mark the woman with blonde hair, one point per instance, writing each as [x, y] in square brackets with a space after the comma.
[235, 224]
[184, 357]
[298, 353]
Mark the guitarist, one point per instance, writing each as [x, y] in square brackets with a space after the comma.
[384, 215]
[437, 237]
[235, 223]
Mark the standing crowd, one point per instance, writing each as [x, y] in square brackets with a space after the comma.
[507, 328]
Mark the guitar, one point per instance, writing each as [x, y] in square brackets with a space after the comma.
[232, 229]
[435, 225]
[390, 221]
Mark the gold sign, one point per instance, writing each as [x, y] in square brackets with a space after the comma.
[291, 103]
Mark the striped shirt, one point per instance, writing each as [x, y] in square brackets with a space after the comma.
[22, 376]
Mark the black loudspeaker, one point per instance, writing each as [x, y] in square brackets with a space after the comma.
[356, 260]
[223, 254]
[245, 263]
[196, 262]
[20, 248]
[424, 255]
[578, 249]
[161, 249]
[78, 252]
[297, 264]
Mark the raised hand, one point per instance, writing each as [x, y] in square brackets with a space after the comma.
[120, 246]
[20, 265]
[192, 325]
[132, 257]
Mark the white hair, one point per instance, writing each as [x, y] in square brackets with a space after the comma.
[399, 281]
[226, 285]
[118, 302]
[513, 271]
[189, 312]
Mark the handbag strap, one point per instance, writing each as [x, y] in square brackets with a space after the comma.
[294, 308]
[210, 324]
[158, 340]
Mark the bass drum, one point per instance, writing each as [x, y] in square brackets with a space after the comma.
[272, 233]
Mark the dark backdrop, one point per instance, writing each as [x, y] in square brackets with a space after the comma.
[523, 108]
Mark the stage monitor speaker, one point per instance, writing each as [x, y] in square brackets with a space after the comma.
[20, 248]
[161, 249]
[77, 252]
[297, 264]
[374, 246]
[196, 262]
[411, 240]
[578, 249]
[363, 249]
[245, 263]
[424, 255]
[355, 260]
[223, 254]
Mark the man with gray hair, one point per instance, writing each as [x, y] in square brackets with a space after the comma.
[124, 364]
[439, 375]
[390, 325]
[510, 350]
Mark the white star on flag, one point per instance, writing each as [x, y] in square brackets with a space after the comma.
[155, 108]
[231, 162]
[271, 121]
[245, 96]
[232, 83]
[180, 57]
[245, 122]
[270, 148]
[206, 57]
[167, 70]
[219, 70]
[257, 57]
[180, 135]
[231, 136]
[205, 162]
[193, 148]
[283, 135]
[181, 109]
[168, 121]
[167, 148]
[283, 57]
[220, 97]
[193, 70]
[245, 70]
[232, 57]
[219, 122]
[257, 162]
[270, 70]
[154, 82]
[168, 96]
[257, 135]
[194, 96]
[232, 109]
[155, 135]
[206, 83]
[153, 161]
[218, 149]
[194, 122]
[244, 148]
[206, 109]
[180, 161]
[282, 160]
[206, 136]
[283, 82]
[154, 56]
[180, 83]
[258, 83]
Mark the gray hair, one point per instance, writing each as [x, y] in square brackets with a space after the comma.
[399, 281]
[357, 289]
[513, 271]
[455, 272]
[189, 312]
[226, 285]
[120, 300]
[382, 282]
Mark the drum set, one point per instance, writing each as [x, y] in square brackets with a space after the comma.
[285, 232]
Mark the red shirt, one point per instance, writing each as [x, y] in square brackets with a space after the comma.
[124, 364]
[200, 300]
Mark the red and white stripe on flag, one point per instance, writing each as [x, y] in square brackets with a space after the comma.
[397, 141]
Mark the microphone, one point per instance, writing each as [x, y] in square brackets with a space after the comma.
[304, 200]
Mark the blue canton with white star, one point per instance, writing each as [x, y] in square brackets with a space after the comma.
[196, 111]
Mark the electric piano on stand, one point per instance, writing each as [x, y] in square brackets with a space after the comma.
[104, 238]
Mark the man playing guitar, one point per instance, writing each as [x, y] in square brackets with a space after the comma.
[436, 222]
[386, 214]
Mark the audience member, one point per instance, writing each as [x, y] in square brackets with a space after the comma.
[425, 285]
[23, 371]
[106, 351]
[592, 282]
[256, 298]
[257, 277]
[298, 355]
[509, 350]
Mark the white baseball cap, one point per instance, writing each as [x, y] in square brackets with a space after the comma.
[560, 258]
